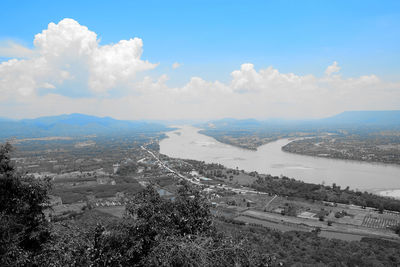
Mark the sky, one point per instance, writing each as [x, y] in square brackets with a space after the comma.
[198, 59]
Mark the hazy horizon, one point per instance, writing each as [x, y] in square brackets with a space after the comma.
[189, 120]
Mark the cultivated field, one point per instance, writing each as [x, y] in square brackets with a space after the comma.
[380, 222]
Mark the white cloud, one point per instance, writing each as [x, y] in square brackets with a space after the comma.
[12, 49]
[332, 68]
[69, 53]
[117, 64]
[66, 39]
[176, 65]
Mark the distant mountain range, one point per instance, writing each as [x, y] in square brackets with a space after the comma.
[81, 124]
[73, 125]
[389, 119]
[384, 117]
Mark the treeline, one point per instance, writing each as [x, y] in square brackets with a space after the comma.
[374, 147]
[285, 186]
[297, 248]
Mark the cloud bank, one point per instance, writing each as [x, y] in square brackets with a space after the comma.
[69, 71]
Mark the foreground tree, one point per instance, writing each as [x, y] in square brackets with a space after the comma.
[396, 229]
[154, 232]
[23, 227]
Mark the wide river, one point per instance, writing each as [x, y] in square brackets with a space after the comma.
[187, 143]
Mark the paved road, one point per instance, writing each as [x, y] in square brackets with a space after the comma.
[266, 206]
[237, 190]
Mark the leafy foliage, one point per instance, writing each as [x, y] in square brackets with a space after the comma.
[307, 249]
[154, 232]
[23, 226]
[157, 231]
[397, 229]
[294, 188]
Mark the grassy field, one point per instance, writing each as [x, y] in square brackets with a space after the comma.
[380, 222]
[116, 211]
[241, 200]
[341, 236]
[287, 227]
[71, 194]
[272, 225]
[240, 178]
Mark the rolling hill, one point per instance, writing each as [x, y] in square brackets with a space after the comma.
[347, 119]
[73, 125]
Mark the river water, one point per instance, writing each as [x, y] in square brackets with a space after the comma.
[187, 143]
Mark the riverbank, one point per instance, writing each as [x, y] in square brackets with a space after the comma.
[246, 142]
[395, 193]
[242, 196]
[348, 148]
[270, 159]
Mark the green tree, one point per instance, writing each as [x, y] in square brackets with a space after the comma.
[192, 211]
[397, 229]
[153, 226]
[23, 227]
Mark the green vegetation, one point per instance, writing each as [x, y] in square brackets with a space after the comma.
[397, 229]
[372, 136]
[23, 228]
[75, 125]
[380, 146]
[159, 231]
[294, 248]
[154, 232]
[73, 194]
[285, 186]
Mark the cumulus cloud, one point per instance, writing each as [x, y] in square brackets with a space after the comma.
[332, 68]
[269, 81]
[270, 94]
[117, 64]
[70, 51]
[68, 57]
[266, 93]
[176, 65]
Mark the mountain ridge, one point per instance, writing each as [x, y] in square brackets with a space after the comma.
[361, 116]
[74, 124]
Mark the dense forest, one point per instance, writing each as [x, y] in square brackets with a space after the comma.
[157, 231]
[285, 186]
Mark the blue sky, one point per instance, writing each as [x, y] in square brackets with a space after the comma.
[213, 37]
[210, 39]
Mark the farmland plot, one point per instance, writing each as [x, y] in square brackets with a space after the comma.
[380, 222]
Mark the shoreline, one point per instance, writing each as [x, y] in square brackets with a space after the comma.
[327, 156]
[251, 148]
[355, 165]
[393, 193]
